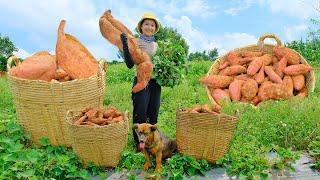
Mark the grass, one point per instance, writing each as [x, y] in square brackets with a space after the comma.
[284, 127]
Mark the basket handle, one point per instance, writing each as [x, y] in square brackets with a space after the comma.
[267, 35]
[11, 60]
[103, 65]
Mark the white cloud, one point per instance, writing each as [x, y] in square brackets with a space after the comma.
[230, 41]
[21, 53]
[199, 41]
[295, 32]
[197, 8]
[302, 9]
[239, 6]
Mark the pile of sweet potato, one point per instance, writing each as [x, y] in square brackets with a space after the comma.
[99, 117]
[254, 77]
[72, 61]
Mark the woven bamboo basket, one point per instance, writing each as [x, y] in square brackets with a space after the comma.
[41, 106]
[204, 135]
[100, 144]
[266, 48]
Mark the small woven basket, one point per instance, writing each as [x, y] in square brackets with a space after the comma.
[266, 48]
[204, 135]
[100, 144]
[41, 106]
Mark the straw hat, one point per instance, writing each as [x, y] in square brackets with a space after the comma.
[148, 16]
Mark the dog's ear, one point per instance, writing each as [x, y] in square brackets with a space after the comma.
[135, 126]
[153, 128]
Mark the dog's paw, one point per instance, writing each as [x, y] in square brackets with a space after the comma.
[146, 166]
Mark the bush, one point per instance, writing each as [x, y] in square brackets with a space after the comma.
[3, 63]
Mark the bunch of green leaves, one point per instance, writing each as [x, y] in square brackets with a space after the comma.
[179, 166]
[130, 160]
[169, 63]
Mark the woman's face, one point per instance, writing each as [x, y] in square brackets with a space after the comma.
[148, 27]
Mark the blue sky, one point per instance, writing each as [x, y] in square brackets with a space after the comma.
[226, 25]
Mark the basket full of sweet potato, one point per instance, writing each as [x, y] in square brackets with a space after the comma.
[258, 73]
[98, 135]
[45, 86]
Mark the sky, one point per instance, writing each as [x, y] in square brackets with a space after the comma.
[205, 24]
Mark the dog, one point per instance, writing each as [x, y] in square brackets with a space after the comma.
[152, 141]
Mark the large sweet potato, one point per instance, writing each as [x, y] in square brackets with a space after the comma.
[216, 81]
[254, 66]
[40, 66]
[220, 95]
[235, 90]
[290, 55]
[297, 69]
[73, 57]
[272, 75]
[233, 70]
[298, 82]
[249, 89]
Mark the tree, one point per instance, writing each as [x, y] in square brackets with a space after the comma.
[6, 47]
[204, 55]
[6, 50]
[166, 33]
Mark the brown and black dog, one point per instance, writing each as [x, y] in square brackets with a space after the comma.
[151, 141]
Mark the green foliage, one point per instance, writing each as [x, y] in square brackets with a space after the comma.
[280, 127]
[175, 167]
[309, 49]
[178, 166]
[6, 50]
[205, 55]
[3, 63]
[171, 34]
[169, 63]
[6, 46]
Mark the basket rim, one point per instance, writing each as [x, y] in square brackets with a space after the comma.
[234, 117]
[70, 118]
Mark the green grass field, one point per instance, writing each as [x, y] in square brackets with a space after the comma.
[285, 127]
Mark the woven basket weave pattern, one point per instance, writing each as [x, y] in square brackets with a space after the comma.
[41, 106]
[266, 48]
[100, 144]
[204, 135]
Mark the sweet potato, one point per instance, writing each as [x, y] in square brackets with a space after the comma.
[272, 75]
[281, 66]
[249, 89]
[288, 83]
[259, 77]
[232, 57]
[254, 66]
[298, 69]
[233, 70]
[290, 55]
[73, 57]
[273, 91]
[303, 92]
[235, 90]
[298, 82]
[216, 81]
[40, 66]
[220, 95]
[267, 59]
[224, 65]
[244, 77]
[251, 54]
